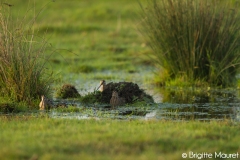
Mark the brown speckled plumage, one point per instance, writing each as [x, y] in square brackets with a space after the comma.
[116, 100]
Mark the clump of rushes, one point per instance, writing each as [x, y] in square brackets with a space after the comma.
[23, 73]
[194, 40]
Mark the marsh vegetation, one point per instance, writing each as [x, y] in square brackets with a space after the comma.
[22, 60]
[194, 41]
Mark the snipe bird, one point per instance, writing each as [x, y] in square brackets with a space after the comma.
[116, 100]
[102, 85]
[45, 103]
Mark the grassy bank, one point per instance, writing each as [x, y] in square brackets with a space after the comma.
[45, 138]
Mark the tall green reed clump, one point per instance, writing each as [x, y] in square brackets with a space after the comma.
[23, 73]
[195, 40]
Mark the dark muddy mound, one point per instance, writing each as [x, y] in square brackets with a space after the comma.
[68, 91]
[128, 90]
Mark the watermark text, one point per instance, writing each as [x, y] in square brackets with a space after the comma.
[206, 155]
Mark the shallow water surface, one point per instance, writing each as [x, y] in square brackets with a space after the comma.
[171, 103]
[216, 105]
[158, 112]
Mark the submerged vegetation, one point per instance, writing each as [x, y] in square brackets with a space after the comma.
[194, 41]
[92, 97]
[23, 73]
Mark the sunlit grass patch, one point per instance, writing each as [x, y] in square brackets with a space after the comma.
[45, 138]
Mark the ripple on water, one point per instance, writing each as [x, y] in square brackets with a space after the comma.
[158, 111]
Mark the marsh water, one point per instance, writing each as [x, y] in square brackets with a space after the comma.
[215, 105]
[170, 103]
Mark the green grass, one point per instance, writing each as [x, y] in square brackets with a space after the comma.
[47, 138]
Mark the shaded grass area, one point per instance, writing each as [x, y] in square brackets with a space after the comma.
[46, 138]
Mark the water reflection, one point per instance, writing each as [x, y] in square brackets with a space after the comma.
[177, 104]
[161, 111]
[202, 104]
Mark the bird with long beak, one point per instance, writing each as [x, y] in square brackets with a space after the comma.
[102, 85]
[45, 103]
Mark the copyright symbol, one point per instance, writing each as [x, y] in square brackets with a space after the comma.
[184, 155]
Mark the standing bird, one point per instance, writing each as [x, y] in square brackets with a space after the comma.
[45, 103]
[102, 86]
[116, 100]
